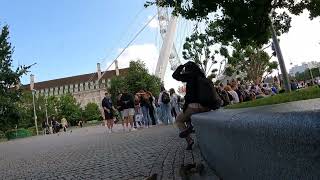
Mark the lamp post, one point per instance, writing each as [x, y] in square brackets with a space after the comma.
[310, 70]
[280, 59]
[34, 110]
[279, 56]
[46, 104]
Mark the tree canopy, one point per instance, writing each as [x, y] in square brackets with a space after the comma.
[69, 108]
[245, 20]
[252, 61]
[198, 48]
[9, 83]
[91, 112]
[135, 80]
[306, 75]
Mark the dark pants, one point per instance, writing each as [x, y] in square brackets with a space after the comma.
[174, 113]
[134, 121]
[151, 112]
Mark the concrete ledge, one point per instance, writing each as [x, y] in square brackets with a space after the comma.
[269, 142]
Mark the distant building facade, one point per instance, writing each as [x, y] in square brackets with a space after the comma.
[301, 68]
[85, 88]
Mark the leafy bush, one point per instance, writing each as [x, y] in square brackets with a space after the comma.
[91, 112]
[33, 130]
[20, 133]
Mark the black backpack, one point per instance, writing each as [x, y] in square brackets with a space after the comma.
[207, 94]
[165, 98]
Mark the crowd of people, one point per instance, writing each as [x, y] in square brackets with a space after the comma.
[238, 91]
[55, 125]
[142, 109]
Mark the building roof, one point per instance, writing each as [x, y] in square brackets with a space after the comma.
[75, 79]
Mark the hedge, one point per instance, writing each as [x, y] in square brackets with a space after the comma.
[19, 133]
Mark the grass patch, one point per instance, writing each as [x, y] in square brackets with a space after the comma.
[303, 94]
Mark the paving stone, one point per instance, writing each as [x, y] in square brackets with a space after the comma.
[91, 153]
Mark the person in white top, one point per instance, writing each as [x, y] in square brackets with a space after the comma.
[64, 124]
[174, 103]
[233, 94]
[165, 107]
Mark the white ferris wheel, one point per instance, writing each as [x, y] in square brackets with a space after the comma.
[168, 51]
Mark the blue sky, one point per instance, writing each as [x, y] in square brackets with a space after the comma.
[68, 37]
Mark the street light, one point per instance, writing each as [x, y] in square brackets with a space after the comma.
[310, 70]
[46, 104]
[279, 56]
[34, 110]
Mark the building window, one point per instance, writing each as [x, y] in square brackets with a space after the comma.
[86, 86]
[91, 85]
[108, 83]
[81, 87]
[76, 88]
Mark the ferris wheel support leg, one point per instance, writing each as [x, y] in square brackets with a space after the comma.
[166, 48]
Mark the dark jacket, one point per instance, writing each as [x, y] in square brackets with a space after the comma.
[144, 102]
[107, 103]
[190, 76]
[127, 101]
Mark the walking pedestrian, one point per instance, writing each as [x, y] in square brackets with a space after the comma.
[64, 124]
[165, 107]
[120, 109]
[174, 103]
[127, 102]
[145, 105]
[152, 108]
[108, 113]
[44, 127]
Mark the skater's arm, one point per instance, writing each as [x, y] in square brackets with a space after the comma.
[179, 75]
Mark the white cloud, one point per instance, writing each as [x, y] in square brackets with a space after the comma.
[301, 44]
[154, 24]
[149, 54]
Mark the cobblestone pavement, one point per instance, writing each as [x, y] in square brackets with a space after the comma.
[91, 153]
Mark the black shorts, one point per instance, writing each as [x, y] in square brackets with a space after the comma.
[108, 115]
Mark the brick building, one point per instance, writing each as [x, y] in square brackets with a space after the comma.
[85, 88]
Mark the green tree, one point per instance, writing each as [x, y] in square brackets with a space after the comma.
[53, 105]
[138, 78]
[306, 75]
[91, 112]
[117, 84]
[197, 48]
[69, 108]
[247, 21]
[10, 81]
[25, 110]
[252, 61]
[135, 80]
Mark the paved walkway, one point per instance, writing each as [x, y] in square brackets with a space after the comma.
[91, 153]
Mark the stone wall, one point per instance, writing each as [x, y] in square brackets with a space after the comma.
[270, 142]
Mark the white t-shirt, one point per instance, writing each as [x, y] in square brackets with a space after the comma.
[235, 97]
